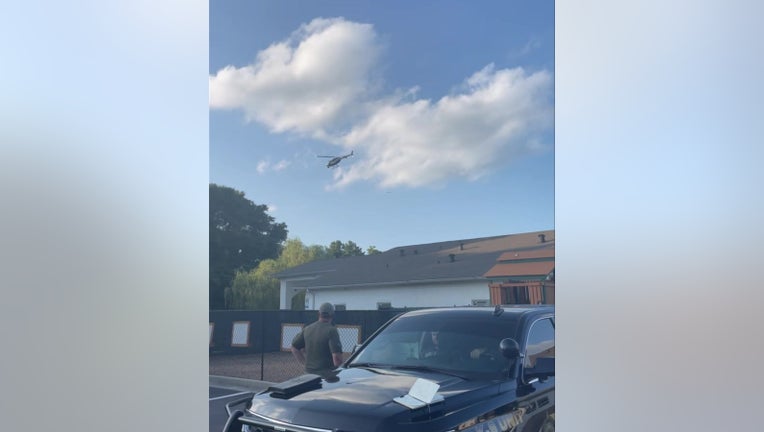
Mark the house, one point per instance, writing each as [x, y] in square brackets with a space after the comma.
[524, 276]
[457, 272]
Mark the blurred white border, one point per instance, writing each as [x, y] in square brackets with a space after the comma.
[658, 214]
[104, 178]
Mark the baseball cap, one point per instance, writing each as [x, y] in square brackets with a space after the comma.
[326, 309]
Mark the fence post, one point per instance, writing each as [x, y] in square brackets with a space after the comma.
[262, 346]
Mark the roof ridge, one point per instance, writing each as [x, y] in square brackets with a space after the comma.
[476, 239]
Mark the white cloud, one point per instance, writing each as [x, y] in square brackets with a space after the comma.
[495, 118]
[272, 208]
[533, 44]
[306, 84]
[264, 166]
[319, 83]
[281, 165]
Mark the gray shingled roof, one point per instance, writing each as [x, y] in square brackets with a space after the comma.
[431, 262]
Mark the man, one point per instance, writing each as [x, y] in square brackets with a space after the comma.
[318, 346]
[429, 344]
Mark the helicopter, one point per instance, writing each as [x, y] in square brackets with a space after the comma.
[336, 159]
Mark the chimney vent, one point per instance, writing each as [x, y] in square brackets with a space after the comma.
[452, 256]
[461, 246]
[542, 238]
[403, 252]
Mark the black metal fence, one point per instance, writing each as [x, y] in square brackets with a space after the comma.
[255, 344]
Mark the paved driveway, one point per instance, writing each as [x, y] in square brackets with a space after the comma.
[224, 390]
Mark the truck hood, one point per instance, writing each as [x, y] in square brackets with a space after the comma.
[361, 399]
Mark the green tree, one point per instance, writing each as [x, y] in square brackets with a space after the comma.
[339, 249]
[352, 249]
[254, 289]
[259, 289]
[335, 249]
[295, 252]
[372, 250]
[242, 234]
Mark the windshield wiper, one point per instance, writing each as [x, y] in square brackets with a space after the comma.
[370, 365]
[427, 369]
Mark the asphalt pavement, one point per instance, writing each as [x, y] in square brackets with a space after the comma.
[224, 390]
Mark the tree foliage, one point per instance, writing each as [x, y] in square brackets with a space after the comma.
[253, 289]
[339, 249]
[259, 289]
[242, 234]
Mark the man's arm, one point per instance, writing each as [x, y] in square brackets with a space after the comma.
[335, 346]
[337, 357]
[299, 355]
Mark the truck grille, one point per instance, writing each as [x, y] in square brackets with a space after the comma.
[260, 423]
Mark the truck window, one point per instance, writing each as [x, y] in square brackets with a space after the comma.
[540, 342]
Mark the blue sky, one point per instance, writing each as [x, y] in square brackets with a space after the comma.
[448, 107]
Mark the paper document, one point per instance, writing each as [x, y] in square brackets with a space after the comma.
[422, 393]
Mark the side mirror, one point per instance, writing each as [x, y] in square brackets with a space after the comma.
[544, 368]
[509, 348]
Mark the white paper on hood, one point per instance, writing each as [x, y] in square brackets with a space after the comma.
[422, 393]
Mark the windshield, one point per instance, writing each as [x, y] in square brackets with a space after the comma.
[462, 346]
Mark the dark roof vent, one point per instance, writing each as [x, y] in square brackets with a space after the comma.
[403, 252]
[452, 256]
[542, 238]
[461, 246]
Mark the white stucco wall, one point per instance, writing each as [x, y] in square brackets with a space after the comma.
[420, 295]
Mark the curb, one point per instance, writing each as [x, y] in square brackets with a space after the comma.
[241, 384]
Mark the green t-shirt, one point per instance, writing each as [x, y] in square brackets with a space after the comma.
[320, 340]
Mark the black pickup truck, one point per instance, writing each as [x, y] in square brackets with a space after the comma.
[436, 370]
